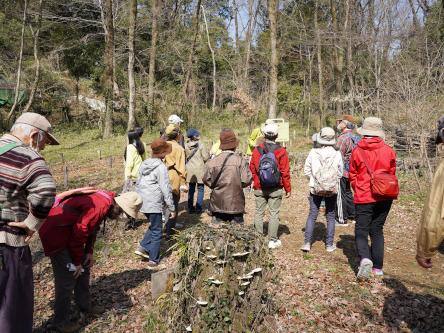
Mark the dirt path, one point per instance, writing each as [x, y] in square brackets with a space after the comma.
[316, 292]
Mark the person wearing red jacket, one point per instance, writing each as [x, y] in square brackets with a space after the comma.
[68, 236]
[270, 196]
[371, 210]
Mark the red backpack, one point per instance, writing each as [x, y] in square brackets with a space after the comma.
[382, 183]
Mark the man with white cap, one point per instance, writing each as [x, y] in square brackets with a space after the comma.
[68, 237]
[271, 177]
[175, 120]
[27, 191]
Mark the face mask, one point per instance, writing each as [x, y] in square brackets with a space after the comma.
[36, 146]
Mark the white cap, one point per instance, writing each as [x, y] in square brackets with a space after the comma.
[271, 129]
[174, 119]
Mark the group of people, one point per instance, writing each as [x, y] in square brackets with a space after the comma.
[68, 222]
[361, 161]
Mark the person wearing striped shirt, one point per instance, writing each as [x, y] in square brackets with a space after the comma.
[27, 192]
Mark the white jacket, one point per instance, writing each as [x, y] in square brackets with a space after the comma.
[313, 162]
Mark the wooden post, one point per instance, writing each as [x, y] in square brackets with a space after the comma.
[65, 176]
[99, 154]
[110, 161]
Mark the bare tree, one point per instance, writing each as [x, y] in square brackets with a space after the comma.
[212, 57]
[191, 54]
[154, 35]
[20, 61]
[319, 60]
[35, 35]
[131, 81]
[109, 67]
[272, 14]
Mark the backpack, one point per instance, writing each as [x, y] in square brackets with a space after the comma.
[382, 184]
[326, 178]
[269, 174]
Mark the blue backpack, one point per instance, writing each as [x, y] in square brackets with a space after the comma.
[269, 174]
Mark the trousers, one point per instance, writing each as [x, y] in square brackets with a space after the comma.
[16, 289]
[65, 284]
[370, 220]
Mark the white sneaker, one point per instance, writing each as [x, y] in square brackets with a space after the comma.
[331, 248]
[274, 244]
[365, 269]
[306, 247]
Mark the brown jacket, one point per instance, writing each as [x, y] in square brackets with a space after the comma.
[431, 229]
[227, 195]
[175, 162]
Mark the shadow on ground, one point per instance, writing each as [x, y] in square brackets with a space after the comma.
[109, 291]
[408, 311]
[347, 244]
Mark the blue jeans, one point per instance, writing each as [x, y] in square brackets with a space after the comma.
[153, 236]
[315, 204]
[200, 197]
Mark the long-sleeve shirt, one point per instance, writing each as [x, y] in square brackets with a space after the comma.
[133, 162]
[27, 190]
[175, 162]
[252, 140]
[73, 223]
[431, 229]
[345, 145]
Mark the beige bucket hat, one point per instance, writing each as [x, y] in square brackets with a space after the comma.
[372, 126]
[130, 202]
[326, 137]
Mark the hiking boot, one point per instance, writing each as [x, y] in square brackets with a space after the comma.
[152, 263]
[377, 272]
[365, 269]
[69, 327]
[274, 244]
[331, 248]
[306, 247]
[140, 251]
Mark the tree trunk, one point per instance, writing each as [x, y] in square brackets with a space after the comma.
[319, 59]
[272, 14]
[236, 26]
[414, 15]
[109, 68]
[338, 52]
[249, 35]
[19, 67]
[349, 55]
[153, 50]
[212, 56]
[131, 81]
[191, 55]
[36, 58]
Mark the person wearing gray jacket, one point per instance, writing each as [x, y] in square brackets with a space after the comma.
[154, 187]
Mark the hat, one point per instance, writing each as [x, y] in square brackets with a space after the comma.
[372, 126]
[192, 133]
[130, 202]
[228, 139]
[347, 117]
[38, 121]
[175, 119]
[171, 131]
[160, 148]
[271, 129]
[326, 137]
[314, 137]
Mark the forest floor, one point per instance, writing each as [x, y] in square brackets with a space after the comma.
[316, 292]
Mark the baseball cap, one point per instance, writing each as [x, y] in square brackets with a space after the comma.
[174, 119]
[271, 129]
[38, 121]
